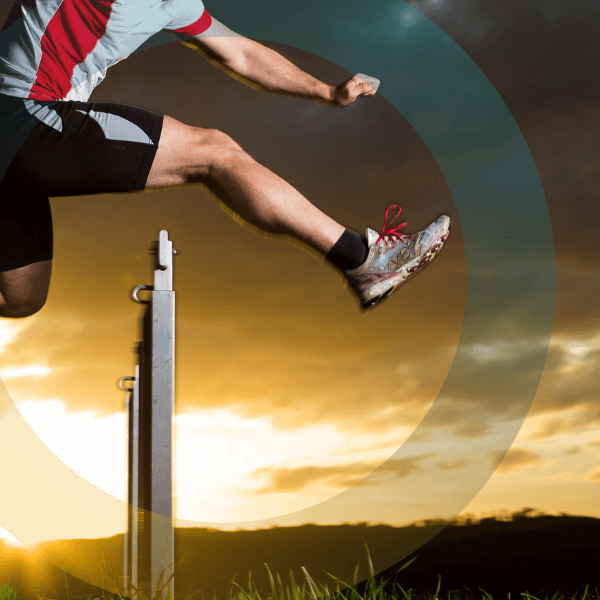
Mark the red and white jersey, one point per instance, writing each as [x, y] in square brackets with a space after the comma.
[61, 49]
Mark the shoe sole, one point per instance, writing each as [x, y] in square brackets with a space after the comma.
[419, 263]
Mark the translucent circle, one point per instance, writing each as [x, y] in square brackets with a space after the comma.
[511, 280]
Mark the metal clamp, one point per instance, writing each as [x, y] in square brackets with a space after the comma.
[123, 379]
[139, 288]
[163, 267]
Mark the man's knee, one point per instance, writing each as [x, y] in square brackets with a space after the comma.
[223, 148]
[188, 154]
[23, 291]
[219, 139]
[22, 309]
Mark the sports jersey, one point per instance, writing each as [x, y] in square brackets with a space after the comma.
[61, 49]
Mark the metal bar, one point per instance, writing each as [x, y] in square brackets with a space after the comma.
[130, 547]
[134, 461]
[130, 540]
[149, 552]
[157, 423]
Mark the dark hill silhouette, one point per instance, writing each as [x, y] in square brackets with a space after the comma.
[538, 554]
[541, 555]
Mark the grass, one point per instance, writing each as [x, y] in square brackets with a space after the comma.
[371, 589]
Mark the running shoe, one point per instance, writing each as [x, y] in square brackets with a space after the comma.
[394, 258]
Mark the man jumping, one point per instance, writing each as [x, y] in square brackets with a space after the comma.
[52, 55]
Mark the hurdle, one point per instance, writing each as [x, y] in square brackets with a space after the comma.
[149, 543]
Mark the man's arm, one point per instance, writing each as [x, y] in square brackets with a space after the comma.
[262, 67]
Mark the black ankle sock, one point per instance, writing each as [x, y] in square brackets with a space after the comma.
[349, 252]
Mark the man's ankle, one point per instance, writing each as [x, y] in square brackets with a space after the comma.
[349, 252]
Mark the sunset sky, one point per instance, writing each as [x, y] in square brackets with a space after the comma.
[287, 395]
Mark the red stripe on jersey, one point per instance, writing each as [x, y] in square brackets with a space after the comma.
[70, 36]
[202, 24]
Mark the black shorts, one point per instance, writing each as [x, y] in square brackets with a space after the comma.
[65, 148]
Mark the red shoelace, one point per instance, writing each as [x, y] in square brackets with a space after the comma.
[388, 230]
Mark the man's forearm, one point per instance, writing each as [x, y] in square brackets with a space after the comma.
[270, 70]
[263, 67]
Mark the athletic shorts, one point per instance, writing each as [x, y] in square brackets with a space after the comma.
[65, 148]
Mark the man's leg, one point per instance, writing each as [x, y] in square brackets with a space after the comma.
[189, 154]
[23, 291]
[25, 245]
[82, 148]
[374, 267]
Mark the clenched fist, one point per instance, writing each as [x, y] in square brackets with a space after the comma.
[359, 85]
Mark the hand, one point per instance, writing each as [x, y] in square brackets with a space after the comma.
[359, 85]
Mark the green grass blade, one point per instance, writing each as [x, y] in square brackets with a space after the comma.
[406, 564]
[280, 584]
[353, 592]
[408, 594]
[272, 582]
[338, 580]
[585, 592]
[310, 584]
[371, 569]
[296, 591]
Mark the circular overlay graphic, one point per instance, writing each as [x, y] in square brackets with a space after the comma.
[510, 295]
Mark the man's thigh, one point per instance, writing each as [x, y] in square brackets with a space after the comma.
[75, 148]
[25, 222]
[81, 148]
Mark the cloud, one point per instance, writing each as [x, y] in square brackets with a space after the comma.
[290, 480]
[9, 332]
[594, 475]
[484, 22]
[464, 20]
[369, 386]
[571, 376]
[518, 459]
[541, 55]
[451, 465]
[27, 371]
[283, 479]
[591, 168]
[566, 399]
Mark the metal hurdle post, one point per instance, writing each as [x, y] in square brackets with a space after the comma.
[149, 546]
[131, 539]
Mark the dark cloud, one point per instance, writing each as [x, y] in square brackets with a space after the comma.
[290, 480]
[574, 382]
[517, 459]
[451, 465]
[569, 381]
[594, 475]
[519, 29]
[342, 476]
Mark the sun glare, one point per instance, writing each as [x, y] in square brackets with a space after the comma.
[9, 540]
